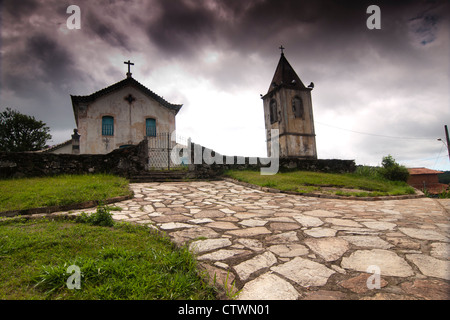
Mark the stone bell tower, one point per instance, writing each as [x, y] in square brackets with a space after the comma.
[288, 108]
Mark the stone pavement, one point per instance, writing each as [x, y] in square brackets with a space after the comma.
[280, 246]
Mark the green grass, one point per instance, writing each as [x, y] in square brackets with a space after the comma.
[120, 262]
[26, 193]
[365, 184]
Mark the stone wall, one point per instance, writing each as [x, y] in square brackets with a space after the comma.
[205, 169]
[124, 162]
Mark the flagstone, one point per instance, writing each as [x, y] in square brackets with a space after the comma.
[424, 234]
[390, 264]
[253, 223]
[289, 250]
[286, 237]
[367, 242]
[320, 232]
[358, 284]
[223, 254]
[304, 272]
[201, 246]
[440, 250]
[201, 220]
[248, 267]
[249, 232]
[224, 225]
[252, 244]
[329, 249]
[268, 287]
[171, 218]
[308, 221]
[175, 225]
[343, 222]
[428, 289]
[379, 225]
[182, 236]
[321, 213]
[210, 214]
[284, 226]
[430, 266]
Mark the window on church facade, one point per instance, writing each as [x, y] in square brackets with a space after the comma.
[273, 111]
[150, 127]
[107, 126]
[297, 107]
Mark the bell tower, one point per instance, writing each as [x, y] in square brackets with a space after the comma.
[288, 108]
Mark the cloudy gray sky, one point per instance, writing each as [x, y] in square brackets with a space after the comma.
[377, 92]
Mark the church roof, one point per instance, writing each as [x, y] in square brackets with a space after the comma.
[285, 76]
[127, 81]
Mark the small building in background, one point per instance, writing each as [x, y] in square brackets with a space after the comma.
[426, 179]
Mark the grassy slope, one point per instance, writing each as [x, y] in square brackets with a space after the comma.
[19, 194]
[305, 181]
[122, 262]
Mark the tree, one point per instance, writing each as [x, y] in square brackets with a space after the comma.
[19, 132]
[391, 170]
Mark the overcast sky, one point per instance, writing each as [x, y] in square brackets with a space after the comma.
[377, 92]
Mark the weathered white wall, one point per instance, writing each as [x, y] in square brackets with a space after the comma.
[66, 149]
[297, 135]
[129, 120]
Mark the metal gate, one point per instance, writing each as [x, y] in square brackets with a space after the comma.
[160, 147]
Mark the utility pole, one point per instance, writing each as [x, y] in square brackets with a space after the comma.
[448, 140]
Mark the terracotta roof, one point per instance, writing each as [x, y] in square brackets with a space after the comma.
[414, 171]
[285, 76]
[127, 81]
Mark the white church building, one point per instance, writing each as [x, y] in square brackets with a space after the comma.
[118, 116]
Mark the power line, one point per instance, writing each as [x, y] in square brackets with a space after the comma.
[373, 134]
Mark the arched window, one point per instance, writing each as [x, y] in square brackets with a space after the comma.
[107, 126]
[150, 127]
[273, 111]
[297, 107]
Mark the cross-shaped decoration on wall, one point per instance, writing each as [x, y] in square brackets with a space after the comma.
[129, 98]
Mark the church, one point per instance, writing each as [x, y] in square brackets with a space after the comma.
[127, 112]
[118, 116]
[288, 108]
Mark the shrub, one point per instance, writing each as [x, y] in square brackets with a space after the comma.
[102, 217]
[393, 171]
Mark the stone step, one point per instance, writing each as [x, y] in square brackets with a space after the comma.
[157, 176]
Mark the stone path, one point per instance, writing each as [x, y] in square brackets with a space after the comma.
[280, 246]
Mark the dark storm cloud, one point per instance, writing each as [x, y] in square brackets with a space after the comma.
[181, 27]
[19, 9]
[106, 30]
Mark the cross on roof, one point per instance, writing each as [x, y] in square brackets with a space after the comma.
[281, 48]
[129, 64]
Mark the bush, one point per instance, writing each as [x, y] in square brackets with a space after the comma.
[393, 171]
[102, 217]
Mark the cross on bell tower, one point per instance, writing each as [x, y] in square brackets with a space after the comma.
[129, 64]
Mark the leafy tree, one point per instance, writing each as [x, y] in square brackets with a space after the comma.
[20, 132]
[391, 170]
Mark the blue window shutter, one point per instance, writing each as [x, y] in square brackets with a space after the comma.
[108, 126]
[150, 127]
